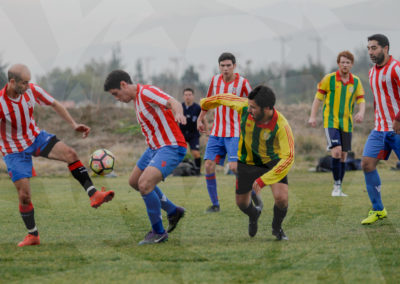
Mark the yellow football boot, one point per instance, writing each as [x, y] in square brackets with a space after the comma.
[374, 216]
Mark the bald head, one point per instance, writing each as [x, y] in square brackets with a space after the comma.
[18, 72]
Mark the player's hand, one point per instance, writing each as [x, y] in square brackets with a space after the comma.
[180, 118]
[312, 122]
[84, 129]
[200, 126]
[396, 126]
[358, 117]
[256, 187]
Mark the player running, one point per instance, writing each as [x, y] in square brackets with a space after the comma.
[266, 153]
[158, 114]
[20, 139]
[224, 135]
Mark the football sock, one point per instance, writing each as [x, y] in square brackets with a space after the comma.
[343, 170]
[28, 216]
[197, 162]
[373, 182]
[279, 215]
[166, 204]
[250, 210]
[336, 169]
[212, 188]
[153, 206]
[80, 173]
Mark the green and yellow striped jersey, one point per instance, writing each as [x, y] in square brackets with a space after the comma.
[339, 98]
[259, 143]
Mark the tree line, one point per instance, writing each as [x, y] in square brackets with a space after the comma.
[86, 85]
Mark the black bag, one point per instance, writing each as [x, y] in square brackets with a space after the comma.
[185, 168]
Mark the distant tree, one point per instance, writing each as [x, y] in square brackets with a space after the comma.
[138, 77]
[3, 73]
[190, 76]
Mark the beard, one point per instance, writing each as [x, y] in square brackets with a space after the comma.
[378, 59]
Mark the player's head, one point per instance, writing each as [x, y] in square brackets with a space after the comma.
[18, 78]
[188, 96]
[118, 84]
[345, 60]
[227, 64]
[378, 48]
[261, 101]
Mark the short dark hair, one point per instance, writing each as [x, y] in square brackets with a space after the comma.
[188, 90]
[263, 96]
[346, 54]
[114, 79]
[14, 75]
[227, 56]
[381, 39]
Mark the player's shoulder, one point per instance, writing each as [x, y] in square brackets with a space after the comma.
[281, 119]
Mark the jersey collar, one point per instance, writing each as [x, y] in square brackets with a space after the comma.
[271, 124]
[338, 78]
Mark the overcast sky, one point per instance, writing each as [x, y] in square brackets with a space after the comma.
[171, 34]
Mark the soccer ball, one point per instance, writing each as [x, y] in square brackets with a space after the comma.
[102, 162]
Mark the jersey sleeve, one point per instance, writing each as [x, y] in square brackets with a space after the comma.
[210, 90]
[228, 100]
[155, 95]
[322, 88]
[41, 96]
[281, 169]
[246, 89]
[360, 94]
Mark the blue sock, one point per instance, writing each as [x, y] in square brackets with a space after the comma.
[166, 204]
[373, 183]
[212, 188]
[336, 169]
[343, 166]
[153, 206]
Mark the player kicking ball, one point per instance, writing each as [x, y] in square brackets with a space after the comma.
[158, 114]
[20, 139]
[265, 155]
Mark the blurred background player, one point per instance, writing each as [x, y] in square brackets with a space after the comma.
[266, 153]
[384, 79]
[20, 139]
[191, 110]
[224, 137]
[158, 114]
[339, 91]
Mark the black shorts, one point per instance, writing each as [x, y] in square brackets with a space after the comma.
[336, 137]
[247, 174]
[194, 141]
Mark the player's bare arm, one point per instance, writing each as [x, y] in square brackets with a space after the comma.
[312, 121]
[201, 125]
[63, 112]
[359, 116]
[177, 110]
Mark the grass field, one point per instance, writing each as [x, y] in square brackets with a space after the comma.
[83, 245]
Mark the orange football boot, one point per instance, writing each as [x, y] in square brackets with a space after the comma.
[30, 240]
[100, 197]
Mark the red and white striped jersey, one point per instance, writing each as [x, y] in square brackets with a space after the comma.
[385, 85]
[18, 128]
[157, 122]
[226, 120]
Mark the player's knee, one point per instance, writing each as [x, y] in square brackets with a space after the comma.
[281, 202]
[367, 166]
[71, 155]
[209, 166]
[24, 198]
[134, 183]
[144, 186]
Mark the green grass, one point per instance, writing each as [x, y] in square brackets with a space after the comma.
[83, 245]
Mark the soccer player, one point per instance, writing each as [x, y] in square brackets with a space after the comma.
[191, 110]
[20, 139]
[224, 135]
[266, 153]
[158, 114]
[339, 91]
[384, 79]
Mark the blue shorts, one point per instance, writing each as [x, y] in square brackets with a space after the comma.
[218, 147]
[165, 159]
[336, 137]
[19, 165]
[380, 144]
